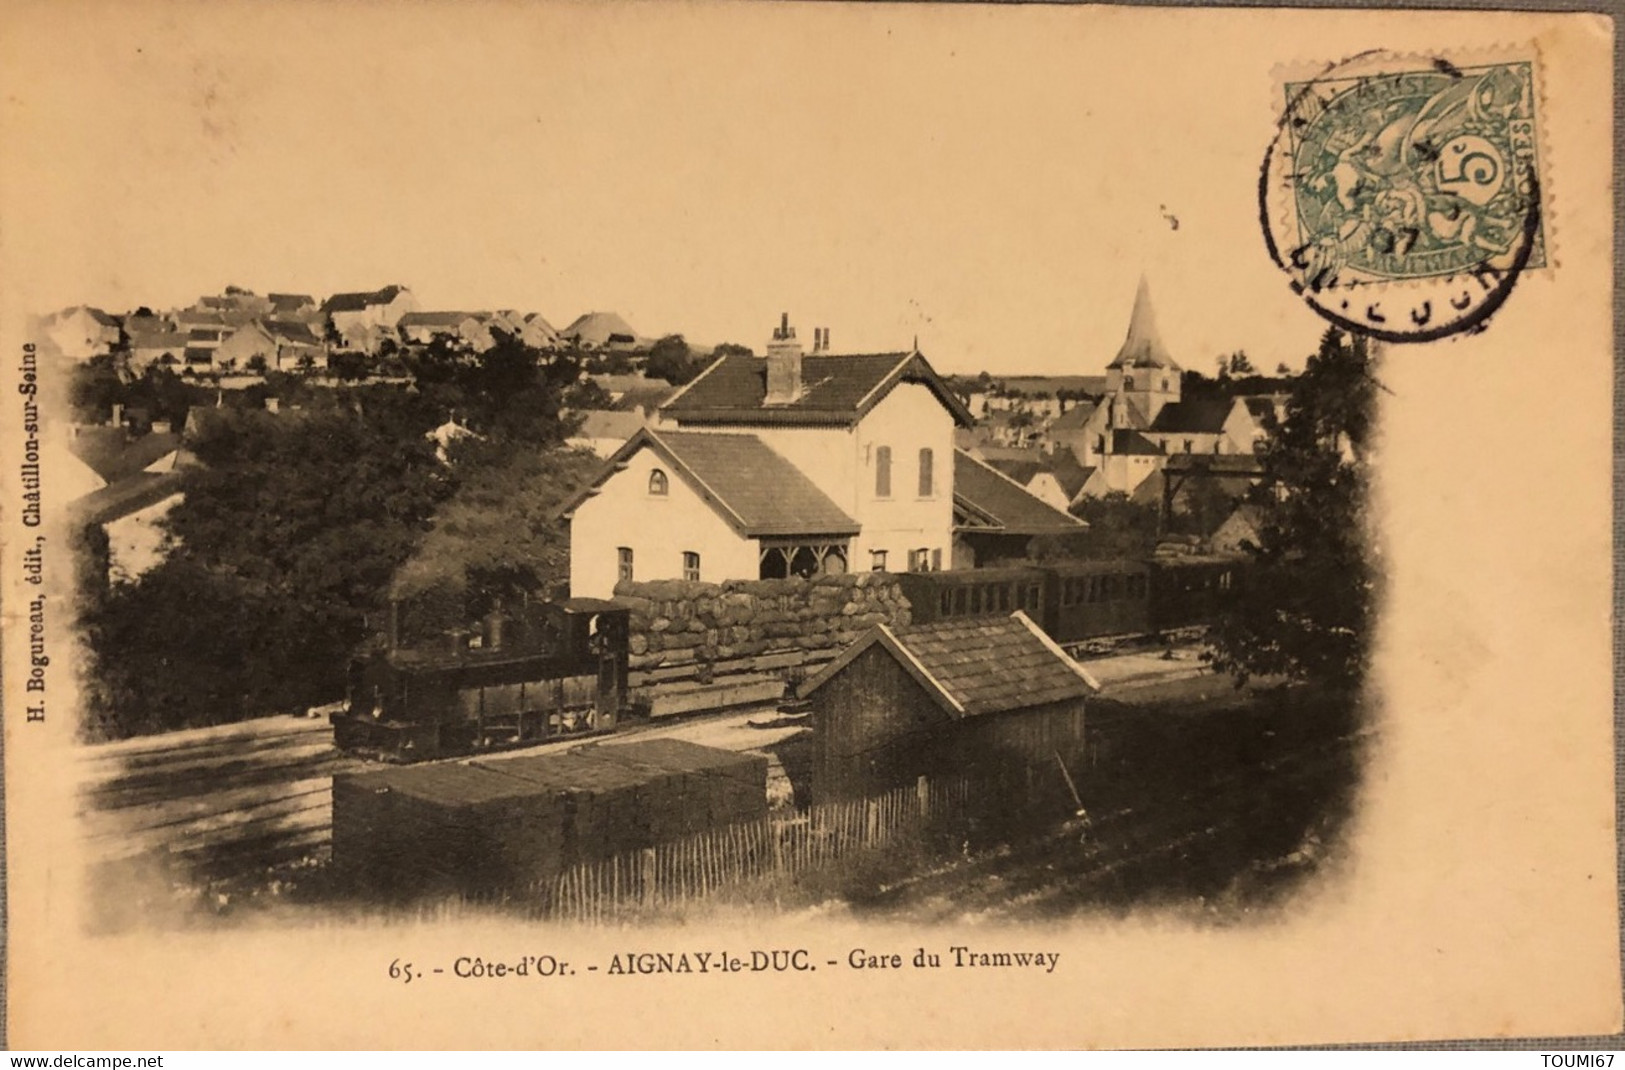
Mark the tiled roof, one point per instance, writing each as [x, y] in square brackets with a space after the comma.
[835, 390]
[755, 490]
[292, 332]
[974, 668]
[127, 496]
[1075, 418]
[158, 340]
[438, 319]
[112, 454]
[598, 328]
[355, 302]
[1134, 443]
[1205, 416]
[1000, 504]
[290, 302]
[616, 425]
[1069, 473]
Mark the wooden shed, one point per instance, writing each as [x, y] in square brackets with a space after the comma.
[970, 698]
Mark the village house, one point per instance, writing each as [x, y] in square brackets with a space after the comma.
[602, 330]
[163, 347]
[788, 464]
[81, 332]
[363, 320]
[987, 695]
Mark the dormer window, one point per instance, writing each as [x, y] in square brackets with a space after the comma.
[658, 483]
[1128, 384]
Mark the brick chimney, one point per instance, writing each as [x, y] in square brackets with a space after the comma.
[783, 364]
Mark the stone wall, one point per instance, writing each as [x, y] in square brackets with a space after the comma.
[676, 623]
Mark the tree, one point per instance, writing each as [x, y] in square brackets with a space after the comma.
[95, 388]
[732, 349]
[670, 359]
[1118, 527]
[257, 365]
[494, 542]
[280, 554]
[1305, 610]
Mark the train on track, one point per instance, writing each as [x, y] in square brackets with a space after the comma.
[560, 670]
[1080, 602]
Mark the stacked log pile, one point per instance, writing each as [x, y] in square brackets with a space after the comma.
[698, 646]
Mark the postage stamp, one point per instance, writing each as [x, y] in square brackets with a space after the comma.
[1403, 194]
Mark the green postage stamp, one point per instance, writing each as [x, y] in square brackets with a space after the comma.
[1407, 170]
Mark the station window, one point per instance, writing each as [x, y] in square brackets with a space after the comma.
[883, 472]
[936, 560]
[691, 565]
[919, 561]
[658, 484]
[877, 560]
[624, 562]
[927, 480]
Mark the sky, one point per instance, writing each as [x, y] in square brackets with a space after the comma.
[992, 181]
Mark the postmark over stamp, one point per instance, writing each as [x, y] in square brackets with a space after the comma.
[1402, 195]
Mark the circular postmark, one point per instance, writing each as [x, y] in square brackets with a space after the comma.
[1402, 195]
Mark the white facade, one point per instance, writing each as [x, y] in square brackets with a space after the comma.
[844, 463]
[135, 543]
[657, 529]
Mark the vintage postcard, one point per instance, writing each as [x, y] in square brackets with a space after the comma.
[805, 525]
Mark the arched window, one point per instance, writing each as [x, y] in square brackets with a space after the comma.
[658, 484]
[691, 566]
[883, 472]
[927, 483]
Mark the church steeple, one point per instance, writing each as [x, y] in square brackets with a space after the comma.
[1143, 377]
[1143, 347]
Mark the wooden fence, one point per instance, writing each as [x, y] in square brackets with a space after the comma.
[698, 867]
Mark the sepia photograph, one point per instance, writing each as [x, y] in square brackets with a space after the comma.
[775, 516]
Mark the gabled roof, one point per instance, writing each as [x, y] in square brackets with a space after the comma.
[835, 390]
[290, 302]
[1134, 444]
[599, 328]
[755, 490]
[620, 426]
[1204, 416]
[1071, 475]
[355, 302]
[292, 332]
[1143, 347]
[974, 668]
[206, 334]
[114, 455]
[96, 314]
[450, 320]
[991, 501]
[131, 495]
[1075, 418]
[163, 339]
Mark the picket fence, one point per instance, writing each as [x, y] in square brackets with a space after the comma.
[685, 871]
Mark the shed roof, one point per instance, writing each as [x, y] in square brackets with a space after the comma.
[973, 668]
[835, 390]
[755, 490]
[994, 501]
